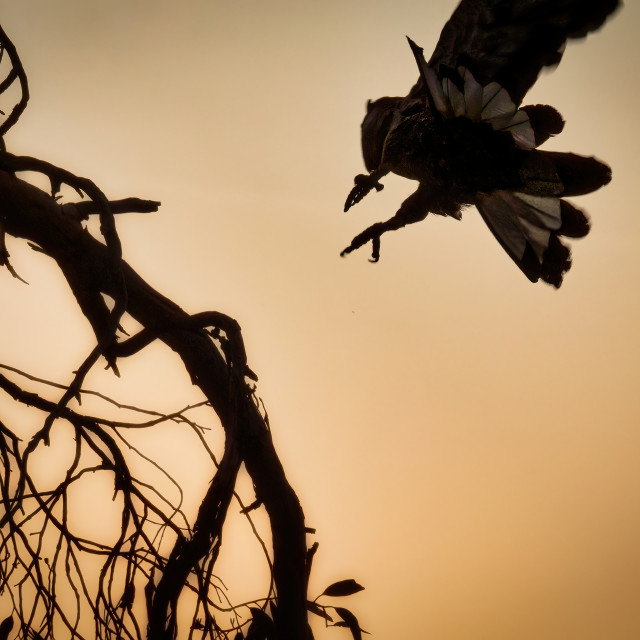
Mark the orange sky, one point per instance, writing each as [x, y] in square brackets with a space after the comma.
[466, 443]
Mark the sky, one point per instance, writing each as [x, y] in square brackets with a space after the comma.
[465, 442]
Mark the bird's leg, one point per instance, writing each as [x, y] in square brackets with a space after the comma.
[414, 209]
[363, 184]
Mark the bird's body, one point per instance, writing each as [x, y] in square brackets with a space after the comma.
[462, 134]
[456, 157]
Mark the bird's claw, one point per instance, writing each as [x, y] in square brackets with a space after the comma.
[363, 184]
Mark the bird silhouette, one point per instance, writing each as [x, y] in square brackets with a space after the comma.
[462, 133]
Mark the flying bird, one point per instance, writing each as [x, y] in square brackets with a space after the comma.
[464, 136]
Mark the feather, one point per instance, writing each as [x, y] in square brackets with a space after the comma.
[498, 215]
[537, 237]
[431, 80]
[498, 108]
[511, 41]
[527, 228]
[539, 210]
[557, 261]
[518, 219]
[455, 97]
[472, 95]
[579, 174]
[539, 175]
[545, 121]
[521, 130]
[575, 223]
[490, 104]
[375, 127]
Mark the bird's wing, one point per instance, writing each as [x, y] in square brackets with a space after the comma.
[511, 41]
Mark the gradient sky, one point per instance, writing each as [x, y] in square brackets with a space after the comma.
[465, 442]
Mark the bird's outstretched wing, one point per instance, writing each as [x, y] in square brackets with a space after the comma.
[511, 41]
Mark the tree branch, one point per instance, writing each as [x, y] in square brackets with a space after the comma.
[29, 213]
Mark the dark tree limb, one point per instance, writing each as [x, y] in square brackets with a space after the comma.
[16, 73]
[29, 213]
[82, 210]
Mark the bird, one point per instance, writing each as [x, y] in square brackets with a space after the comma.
[463, 133]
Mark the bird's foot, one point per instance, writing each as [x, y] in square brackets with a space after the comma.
[372, 234]
[414, 209]
[363, 184]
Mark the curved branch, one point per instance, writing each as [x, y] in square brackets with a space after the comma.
[248, 439]
[17, 72]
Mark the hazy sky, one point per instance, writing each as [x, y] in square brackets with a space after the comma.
[465, 442]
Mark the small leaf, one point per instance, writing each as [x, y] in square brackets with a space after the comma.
[261, 627]
[318, 610]
[342, 588]
[5, 628]
[258, 614]
[350, 621]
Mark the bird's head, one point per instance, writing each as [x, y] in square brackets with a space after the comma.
[375, 127]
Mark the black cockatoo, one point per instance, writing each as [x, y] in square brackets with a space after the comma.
[462, 133]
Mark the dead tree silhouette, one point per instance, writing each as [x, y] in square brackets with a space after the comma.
[139, 587]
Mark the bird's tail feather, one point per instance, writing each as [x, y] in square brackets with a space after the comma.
[528, 223]
[545, 121]
[573, 222]
[528, 228]
[579, 174]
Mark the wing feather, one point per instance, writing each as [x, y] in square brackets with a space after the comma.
[511, 41]
[527, 227]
